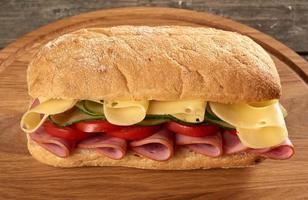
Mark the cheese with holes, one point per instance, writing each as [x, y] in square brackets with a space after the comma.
[259, 125]
[35, 117]
[125, 113]
[186, 110]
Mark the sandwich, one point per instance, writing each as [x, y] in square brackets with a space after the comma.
[164, 97]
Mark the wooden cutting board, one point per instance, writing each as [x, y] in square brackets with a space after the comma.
[21, 177]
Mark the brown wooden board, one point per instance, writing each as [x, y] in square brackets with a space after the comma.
[22, 177]
[286, 20]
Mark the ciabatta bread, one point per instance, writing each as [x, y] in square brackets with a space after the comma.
[160, 63]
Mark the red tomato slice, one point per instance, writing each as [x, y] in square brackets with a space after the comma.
[134, 132]
[193, 130]
[67, 132]
[233, 132]
[96, 126]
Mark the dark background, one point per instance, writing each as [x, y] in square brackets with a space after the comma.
[286, 20]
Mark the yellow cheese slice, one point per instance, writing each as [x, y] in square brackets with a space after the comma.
[185, 110]
[34, 117]
[43, 99]
[263, 103]
[267, 103]
[125, 113]
[248, 116]
[259, 125]
[263, 137]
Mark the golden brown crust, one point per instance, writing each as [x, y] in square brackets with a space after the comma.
[183, 159]
[160, 63]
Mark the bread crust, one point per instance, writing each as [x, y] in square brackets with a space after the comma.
[184, 159]
[154, 63]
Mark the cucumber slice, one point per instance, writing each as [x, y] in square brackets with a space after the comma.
[80, 106]
[94, 107]
[72, 116]
[152, 122]
[183, 122]
[220, 123]
[157, 117]
[210, 115]
[167, 118]
[212, 118]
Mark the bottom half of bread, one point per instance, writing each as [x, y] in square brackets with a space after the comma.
[184, 159]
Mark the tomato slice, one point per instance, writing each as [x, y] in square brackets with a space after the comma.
[67, 132]
[134, 132]
[96, 126]
[233, 132]
[193, 130]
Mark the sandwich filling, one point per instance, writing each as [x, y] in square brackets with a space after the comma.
[155, 129]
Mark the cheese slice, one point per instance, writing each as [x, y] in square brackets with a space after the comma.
[43, 99]
[263, 137]
[259, 125]
[185, 110]
[125, 113]
[263, 103]
[267, 103]
[35, 117]
[248, 116]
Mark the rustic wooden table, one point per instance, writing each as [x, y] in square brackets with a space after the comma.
[286, 20]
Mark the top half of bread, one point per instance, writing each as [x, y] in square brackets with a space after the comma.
[154, 63]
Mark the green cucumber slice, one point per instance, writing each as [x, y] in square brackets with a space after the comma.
[212, 118]
[80, 106]
[152, 122]
[210, 115]
[167, 118]
[72, 116]
[183, 122]
[220, 123]
[157, 117]
[94, 107]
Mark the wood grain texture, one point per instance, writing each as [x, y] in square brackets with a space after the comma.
[21, 177]
[286, 20]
